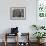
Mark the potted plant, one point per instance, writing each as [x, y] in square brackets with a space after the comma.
[39, 35]
[35, 26]
[38, 27]
[42, 27]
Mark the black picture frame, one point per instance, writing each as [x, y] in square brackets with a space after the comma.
[17, 13]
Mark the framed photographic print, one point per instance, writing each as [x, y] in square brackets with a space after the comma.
[17, 13]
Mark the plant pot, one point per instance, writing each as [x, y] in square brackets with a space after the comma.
[40, 41]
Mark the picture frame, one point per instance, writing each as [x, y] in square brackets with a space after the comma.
[17, 13]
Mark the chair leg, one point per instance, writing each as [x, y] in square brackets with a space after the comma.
[5, 40]
[5, 43]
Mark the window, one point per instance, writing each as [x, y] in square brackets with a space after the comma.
[41, 8]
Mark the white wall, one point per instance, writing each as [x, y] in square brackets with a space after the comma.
[24, 25]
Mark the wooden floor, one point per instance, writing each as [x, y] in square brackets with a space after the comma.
[13, 44]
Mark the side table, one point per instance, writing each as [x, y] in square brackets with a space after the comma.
[8, 34]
